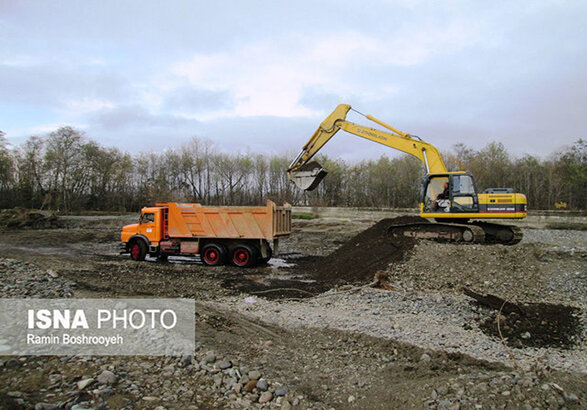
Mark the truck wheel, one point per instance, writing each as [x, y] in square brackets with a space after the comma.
[243, 256]
[213, 254]
[138, 250]
[269, 255]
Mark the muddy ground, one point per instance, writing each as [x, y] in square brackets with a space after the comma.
[313, 328]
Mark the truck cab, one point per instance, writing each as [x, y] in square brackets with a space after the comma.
[149, 230]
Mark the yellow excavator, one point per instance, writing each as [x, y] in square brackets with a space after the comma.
[450, 198]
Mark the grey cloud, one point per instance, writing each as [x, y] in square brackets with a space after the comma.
[320, 100]
[193, 100]
[54, 85]
[132, 128]
[135, 116]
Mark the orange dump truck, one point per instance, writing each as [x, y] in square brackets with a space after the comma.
[236, 234]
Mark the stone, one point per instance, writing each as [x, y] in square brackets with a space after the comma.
[265, 397]
[425, 357]
[82, 384]
[351, 399]
[442, 390]
[218, 379]
[105, 392]
[225, 365]
[80, 407]
[254, 375]
[186, 360]
[570, 397]
[285, 405]
[12, 364]
[262, 385]
[250, 386]
[45, 406]
[210, 358]
[282, 391]
[107, 377]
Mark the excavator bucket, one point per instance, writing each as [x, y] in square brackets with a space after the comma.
[308, 177]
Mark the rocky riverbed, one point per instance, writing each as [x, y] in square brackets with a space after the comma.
[414, 340]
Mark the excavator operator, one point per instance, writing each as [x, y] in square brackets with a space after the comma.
[442, 198]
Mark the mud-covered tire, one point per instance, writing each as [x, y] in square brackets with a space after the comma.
[243, 256]
[213, 254]
[263, 261]
[138, 250]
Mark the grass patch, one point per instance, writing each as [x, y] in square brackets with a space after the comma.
[304, 215]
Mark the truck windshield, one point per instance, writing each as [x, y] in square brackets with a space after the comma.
[145, 218]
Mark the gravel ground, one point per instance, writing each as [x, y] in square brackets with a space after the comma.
[430, 321]
[569, 240]
[420, 345]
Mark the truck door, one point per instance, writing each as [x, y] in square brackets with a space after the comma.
[463, 194]
[150, 224]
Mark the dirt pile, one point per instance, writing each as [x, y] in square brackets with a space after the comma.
[19, 218]
[536, 325]
[362, 256]
[355, 262]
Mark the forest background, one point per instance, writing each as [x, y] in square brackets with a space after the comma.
[67, 171]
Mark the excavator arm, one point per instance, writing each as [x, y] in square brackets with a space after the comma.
[307, 175]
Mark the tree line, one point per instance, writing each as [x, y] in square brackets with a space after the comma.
[67, 171]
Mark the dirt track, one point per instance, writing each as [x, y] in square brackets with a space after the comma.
[316, 328]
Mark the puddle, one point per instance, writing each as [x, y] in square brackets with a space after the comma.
[180, 260]
[279, 263]
[41, 251]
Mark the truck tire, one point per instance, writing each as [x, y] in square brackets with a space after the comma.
[138, 250]
[213, 254]
[243, 256]
[269, 255]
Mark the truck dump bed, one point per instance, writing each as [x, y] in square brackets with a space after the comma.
[246, 222]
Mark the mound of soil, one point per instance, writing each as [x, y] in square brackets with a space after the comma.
[537, 325]
[355, 262]
[19, 218]
[362, 256]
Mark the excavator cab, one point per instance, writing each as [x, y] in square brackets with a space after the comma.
[450, 193]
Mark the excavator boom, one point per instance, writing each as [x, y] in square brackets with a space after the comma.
[307, 175]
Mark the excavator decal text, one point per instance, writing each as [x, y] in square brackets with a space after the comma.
[371, 134]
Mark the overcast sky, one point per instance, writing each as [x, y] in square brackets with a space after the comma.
[259, 76]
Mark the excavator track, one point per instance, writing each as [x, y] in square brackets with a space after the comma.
[443, 232]
[474, 232]
[500, 234]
